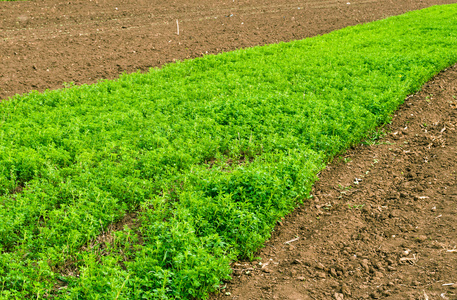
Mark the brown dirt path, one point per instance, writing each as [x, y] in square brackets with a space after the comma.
[45, 43]
[390, 236]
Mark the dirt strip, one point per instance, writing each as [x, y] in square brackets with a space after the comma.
[46, 43]
[383, 220]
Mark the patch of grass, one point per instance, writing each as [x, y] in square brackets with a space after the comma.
[374, 137]
[210, 152]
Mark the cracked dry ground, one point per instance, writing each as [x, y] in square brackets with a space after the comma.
[382, 223]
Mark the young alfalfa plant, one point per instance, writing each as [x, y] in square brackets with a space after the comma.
[213, 151]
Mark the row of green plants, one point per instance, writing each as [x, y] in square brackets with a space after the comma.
[209, 152]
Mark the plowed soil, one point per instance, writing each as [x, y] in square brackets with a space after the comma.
[382, 223]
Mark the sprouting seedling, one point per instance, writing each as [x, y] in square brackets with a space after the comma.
[357, 206]
[345, 188]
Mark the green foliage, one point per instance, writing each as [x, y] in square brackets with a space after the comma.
[210, 152]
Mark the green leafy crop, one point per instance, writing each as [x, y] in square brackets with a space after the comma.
[209, 153]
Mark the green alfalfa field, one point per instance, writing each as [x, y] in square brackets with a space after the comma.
[209, 153]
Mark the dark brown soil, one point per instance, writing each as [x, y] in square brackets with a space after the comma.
[382, 223]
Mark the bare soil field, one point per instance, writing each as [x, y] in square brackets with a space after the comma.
[382, 221]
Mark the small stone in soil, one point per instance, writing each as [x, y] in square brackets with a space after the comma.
[421, 238]
[378, 274]
[339, 296]
[358, 273]
[345, 290]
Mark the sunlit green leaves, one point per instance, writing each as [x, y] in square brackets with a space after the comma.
[209, 152]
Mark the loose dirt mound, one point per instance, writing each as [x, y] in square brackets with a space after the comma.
[382, 221]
